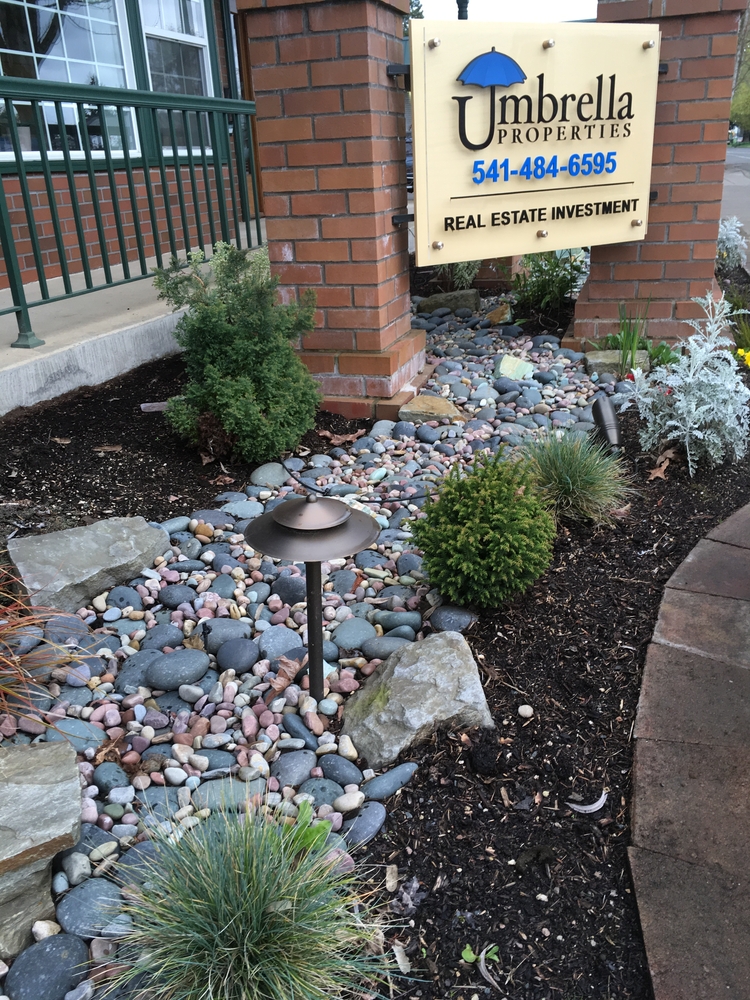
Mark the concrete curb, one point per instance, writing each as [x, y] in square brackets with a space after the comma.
[691, 796]
[88, 362]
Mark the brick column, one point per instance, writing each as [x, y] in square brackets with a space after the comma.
[330, 127]
[676, 260]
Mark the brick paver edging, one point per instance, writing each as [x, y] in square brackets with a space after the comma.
[690, 858]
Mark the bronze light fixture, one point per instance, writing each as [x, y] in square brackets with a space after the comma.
[312, 529]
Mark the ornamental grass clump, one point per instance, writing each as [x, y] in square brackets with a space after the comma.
[247, 392]
[577, 479]
[701, 401]
[487, 536]
[244, 908]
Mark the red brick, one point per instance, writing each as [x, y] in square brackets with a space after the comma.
[680, 8]
[323, 250]
[346, 126]
[347, 178]
[699, 288]
[368, 202]
[705, 152]
[284, 130]
[663, 290]
[712, 172]
[368, 319]
[354, 227]
[724, 45]
[355, 274]
[695, 269]
[272, 156]
[674, 174]
[710, 212]
[677, 134]
[299, 274]
[289, 180]
[714, 131]
[696, 192]
[332, 203]
[683, 48]
[682, 90]
[292, 229]
[636, 272]
[669, 213]
[706, 251]
[314, 153]
[665, 251]
[342, 16]
[268, 24]
[707, 69]
[374, 150]
[368, 364]
[318, 363]
[344, 73]
[626, 10]
[263, 53]
[704, 111]
[309, 49]
[309, 102]
[719, 88]
[688, 310]
[363, 43]
[341, 385]
[327, 340]
[375, 296]
[280, 77]
[352, 408]
[276, 205]
[330, 295]
[365, 99]
[716, 24]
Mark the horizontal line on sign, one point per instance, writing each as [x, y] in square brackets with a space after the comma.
[503, 194]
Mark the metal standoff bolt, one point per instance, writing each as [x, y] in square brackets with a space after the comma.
[542, 233]
[636, 222]
[437, 245]
[650, 44]
[549, 43]
[434, 43]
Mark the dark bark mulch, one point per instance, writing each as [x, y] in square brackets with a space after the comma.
[483, 826]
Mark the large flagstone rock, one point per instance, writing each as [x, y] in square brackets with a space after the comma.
[40, 815]
[421, 685]
[66, 569]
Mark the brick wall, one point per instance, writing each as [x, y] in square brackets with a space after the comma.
[330, 129]
[675, 262]
[197, 209]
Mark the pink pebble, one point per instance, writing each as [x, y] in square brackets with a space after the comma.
[266, 719]
[171, 576]
[223, 613]
[157, 778]
[272, 731]
[336, 820]
[351, 788]
[316, 772]
[130, 819]
[313, 722]
[205, 613]
[273, 783]
[250, 725]
[105, 822]
[278, 718]
[131, 700]
[218, 725]
[242, 757]
[112, 718]
[88, 811]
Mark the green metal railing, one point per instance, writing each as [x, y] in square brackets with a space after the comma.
[115, 177]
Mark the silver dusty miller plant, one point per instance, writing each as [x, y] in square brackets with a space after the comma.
[700, 402]
[731, 245]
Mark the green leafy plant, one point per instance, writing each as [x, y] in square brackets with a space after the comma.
[631, 338]
[661, 354]
[547, 281]
[490, 955]
[741, 331]
[487, 536]
[577, 479]
[459, 275]
[247, 391]
[245, 908]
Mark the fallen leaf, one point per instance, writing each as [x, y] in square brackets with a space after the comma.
[622, 511]
[221, 481]
[61, 440]
[193, 642]
[207, 459]
[666, 455]
[400, 954]
[659, 472]
[339, 439]
[107, 447]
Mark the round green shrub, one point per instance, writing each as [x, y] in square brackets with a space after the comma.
[487, 536]
[247, 393]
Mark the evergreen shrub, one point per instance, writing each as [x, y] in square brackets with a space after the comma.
[247, 391]
[487, 536]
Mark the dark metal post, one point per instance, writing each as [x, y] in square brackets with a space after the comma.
[463, 10]
[314, 629]
[26, 336]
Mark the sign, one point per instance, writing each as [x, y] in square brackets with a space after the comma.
[530, 137]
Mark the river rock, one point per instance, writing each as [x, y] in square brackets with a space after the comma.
[238, 654]
[89, 907]
[341, 770]
[276, 640]
[298, 730]
[290, 589]
[323, 790]
[381, 647]
[160, 636]
[365, 825]
[48, 970]
[446, 618]
[109, 775]
[353, 632]
[66, 569]
[272, 474]
[463, 298]
[384, 785]
[216, 631]
[423, 684]
[82, 735]
[134, 866]
[124, 597]
[294, 768]
[170, 670]
[227, 793]
[176, 594]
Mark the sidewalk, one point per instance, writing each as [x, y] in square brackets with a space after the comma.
[691, 799]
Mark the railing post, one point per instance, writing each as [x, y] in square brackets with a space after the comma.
[26, 336]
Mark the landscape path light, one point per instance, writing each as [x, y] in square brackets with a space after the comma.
[313, 529]
[606, 420]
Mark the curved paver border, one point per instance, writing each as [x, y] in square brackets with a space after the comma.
[690, 856]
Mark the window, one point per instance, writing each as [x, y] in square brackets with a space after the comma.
[176, 46]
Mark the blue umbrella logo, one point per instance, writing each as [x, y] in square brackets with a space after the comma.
[490, 69]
